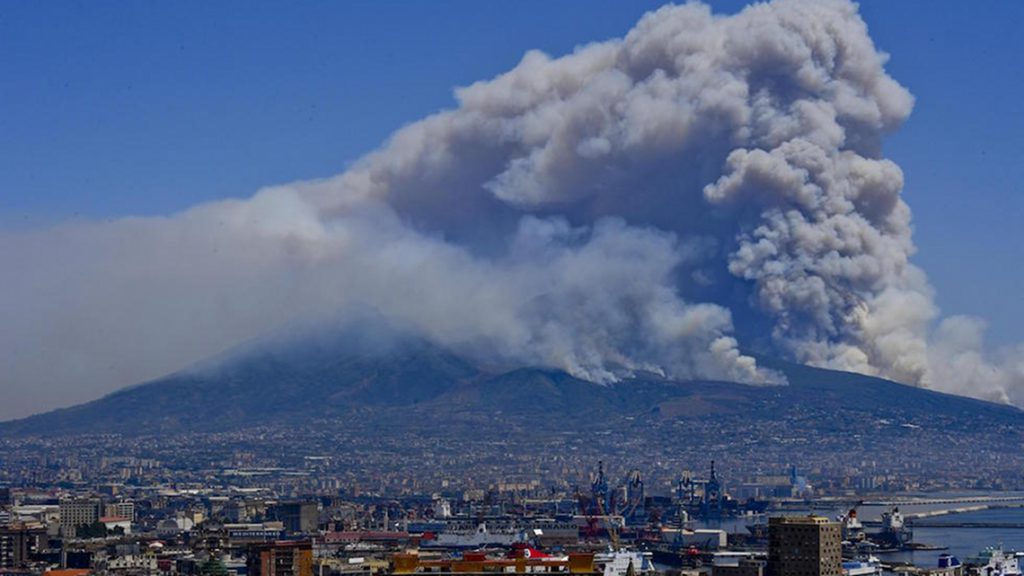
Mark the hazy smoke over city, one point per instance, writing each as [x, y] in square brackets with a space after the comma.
[660, 202]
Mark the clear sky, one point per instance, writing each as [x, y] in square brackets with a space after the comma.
[110, 109]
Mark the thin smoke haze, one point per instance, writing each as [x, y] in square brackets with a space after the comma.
[660, 202]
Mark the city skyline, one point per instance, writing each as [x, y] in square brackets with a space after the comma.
[573, 288]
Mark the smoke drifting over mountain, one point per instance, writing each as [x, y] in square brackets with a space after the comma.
[634, 205]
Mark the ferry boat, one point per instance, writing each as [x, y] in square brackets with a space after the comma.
[480, 537]
[618, 563]
[993, 561]
[865, 566]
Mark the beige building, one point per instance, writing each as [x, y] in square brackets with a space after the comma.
[804, 546]
[75, 512]
[121, 510]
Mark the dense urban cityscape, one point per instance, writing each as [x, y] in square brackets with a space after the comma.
[641, 477]
[323, 459]
[351, 502]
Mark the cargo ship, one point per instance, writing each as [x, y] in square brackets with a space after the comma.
[894, 534]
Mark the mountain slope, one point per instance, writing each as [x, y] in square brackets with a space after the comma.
[287, 384]
[388, 378]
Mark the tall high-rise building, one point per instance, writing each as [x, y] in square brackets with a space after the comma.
[18, 542]
[282, 558]
[75, 512]
[804, 546]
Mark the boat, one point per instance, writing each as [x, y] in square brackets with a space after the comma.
[993, 561]
[853, 529]
[624, 563]
[701, 538]
[949, 562]
[863, 566]
[479, 537]
[859, 549]
[894, 534]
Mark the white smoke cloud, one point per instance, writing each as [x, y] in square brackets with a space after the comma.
[149, 296]
[603, 212]
[958, 363]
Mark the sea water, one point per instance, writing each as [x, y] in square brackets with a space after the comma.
[964, 542]
[959, 541]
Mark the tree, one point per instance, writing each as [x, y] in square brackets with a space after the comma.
[213, 567]
[94, 530]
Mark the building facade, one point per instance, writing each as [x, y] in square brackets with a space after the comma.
[804, 546]
[297, 517]
[120, 510]
[282, 558]
[75, 512]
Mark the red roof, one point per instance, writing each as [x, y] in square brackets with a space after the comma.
[113, 519]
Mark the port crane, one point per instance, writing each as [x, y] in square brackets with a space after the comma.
[609, 526]
[590, 530]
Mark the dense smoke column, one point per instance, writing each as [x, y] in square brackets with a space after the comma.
[757, 133]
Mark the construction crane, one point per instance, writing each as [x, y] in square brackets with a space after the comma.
[635, 495]
[590, 530]
[613, 533]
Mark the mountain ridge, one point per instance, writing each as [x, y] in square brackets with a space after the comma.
[392, 377]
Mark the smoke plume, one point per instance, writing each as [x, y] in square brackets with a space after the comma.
[655, 203]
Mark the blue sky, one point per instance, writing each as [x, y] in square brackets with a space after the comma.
[111, 109]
